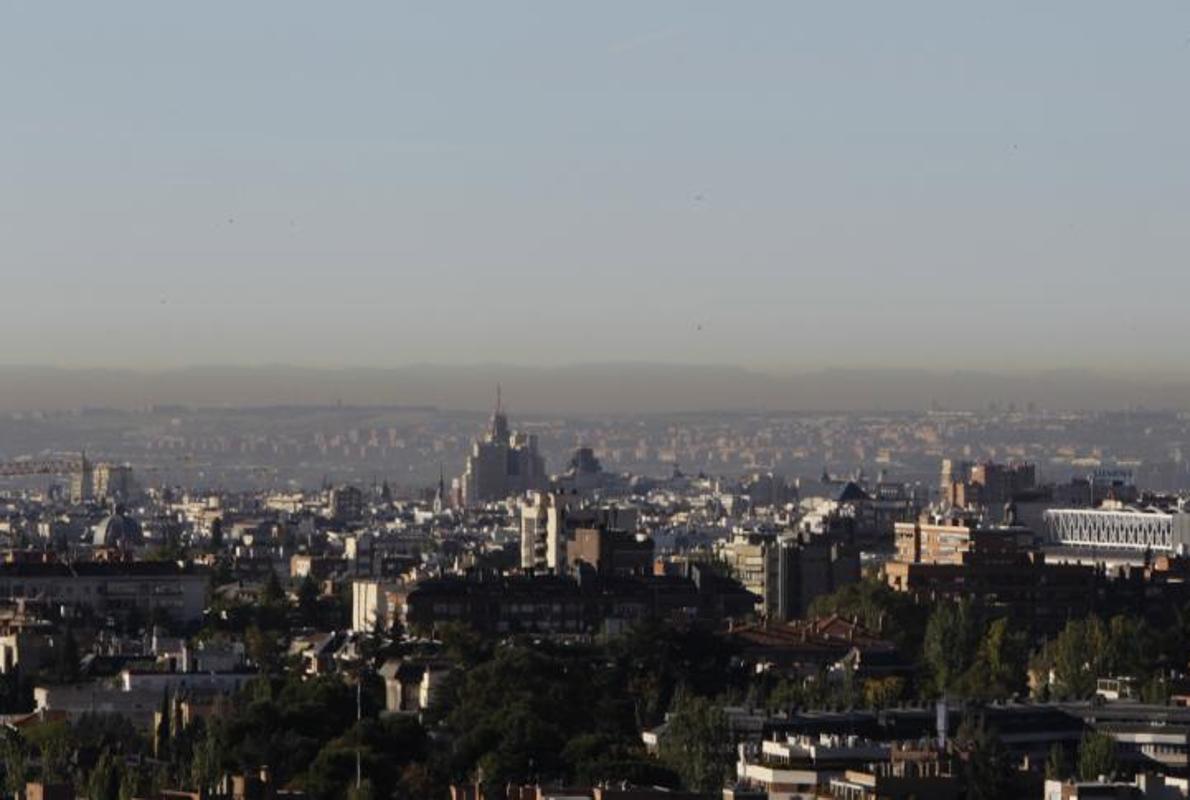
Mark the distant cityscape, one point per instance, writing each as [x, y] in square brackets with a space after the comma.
[301, 447]
[931, 605]
[575, 401]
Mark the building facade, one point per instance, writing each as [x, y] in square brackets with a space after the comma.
[502, 463]
[1119, 529]
[110, 588]
[789, 572]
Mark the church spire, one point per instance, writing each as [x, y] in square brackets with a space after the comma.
[440, 495]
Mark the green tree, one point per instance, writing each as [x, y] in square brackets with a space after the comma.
[604, 757]
[512, 716]
[418, 781]
[66, 658]
[697, 743]
[464, 646]
[273, 593]
[53, 744]
[655, 659]
[385, 747]
[894, 615]
[307, 597]
[1096, 756]
[1131, 647]
[883, 692]
[989, 770]
[161, 741]
[377, 642]
[14, 762]
[284, 723]
[1078, 657]
[1057, 764]
[222, 573]
[364, 791]
[999, 669]
[1155, 690]
[951, 640]
[143, 782]
[845, 694]
[99, 732]
[785, 695]
[264, 649]
[16, 693]
[205, 766]
[106, 778]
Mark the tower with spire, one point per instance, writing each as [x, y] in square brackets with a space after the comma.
[499, 426]
[502, 463]
[440, 494]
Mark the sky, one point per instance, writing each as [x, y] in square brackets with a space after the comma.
[773, 185]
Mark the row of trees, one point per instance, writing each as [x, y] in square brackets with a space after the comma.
[967, 651]
[523, 710]
[306, 731]
[514, 711]
[536, 711]
[1089, 649]
[1095, 757]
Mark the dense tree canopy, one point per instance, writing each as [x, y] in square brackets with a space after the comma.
[532, 709]
[1096, 757]
[697, 745]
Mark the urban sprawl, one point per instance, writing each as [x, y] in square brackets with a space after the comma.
[405, 603]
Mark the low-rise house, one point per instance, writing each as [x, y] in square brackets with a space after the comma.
[1145, 786]
[898, 780]
[622, 792]
[135, 694]
[412, 685]
[807, 646]
[318, 651]
[305, 565]
[795, 768]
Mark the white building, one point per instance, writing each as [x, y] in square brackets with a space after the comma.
[372, 600]
[550, 521]
[1119, 529]
[1145, 785]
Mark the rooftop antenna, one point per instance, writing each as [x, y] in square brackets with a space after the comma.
[498, 403]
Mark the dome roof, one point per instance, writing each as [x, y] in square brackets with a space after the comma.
[116, 530]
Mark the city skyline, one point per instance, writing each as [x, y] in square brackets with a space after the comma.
[626, 401]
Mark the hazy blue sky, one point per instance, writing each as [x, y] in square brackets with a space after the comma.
[383, 183]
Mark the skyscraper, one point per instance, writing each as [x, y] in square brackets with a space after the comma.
[502, 463]
[82, 483]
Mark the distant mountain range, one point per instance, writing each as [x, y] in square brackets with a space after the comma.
[588, 389]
